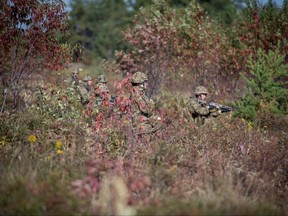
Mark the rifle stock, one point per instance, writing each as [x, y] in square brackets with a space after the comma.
[217, 106]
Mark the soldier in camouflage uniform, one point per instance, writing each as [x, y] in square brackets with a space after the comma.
[102, 79]
[85, 89]
[73, 78]
[101, 82]
[101, 92]
[142, 108]
[103, 103]
[199, 109]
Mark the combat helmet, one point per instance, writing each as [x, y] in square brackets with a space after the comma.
[103, 88]
[200, 90]
[102, 79]
[77, 71]
[87, 78]
[139, 77]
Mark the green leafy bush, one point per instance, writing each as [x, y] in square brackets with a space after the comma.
[61, 103]
[266, 92]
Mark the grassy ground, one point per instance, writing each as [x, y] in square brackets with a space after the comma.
[54, 162]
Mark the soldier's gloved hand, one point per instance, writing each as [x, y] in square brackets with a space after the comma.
[214, 110]
[216, 113]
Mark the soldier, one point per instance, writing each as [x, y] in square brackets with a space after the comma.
[101, 93]
[84, 89]
[199, 109]
[103, 103]
[102, 81]
[73, 78]
[142, 108]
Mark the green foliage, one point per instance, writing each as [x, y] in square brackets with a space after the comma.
[97, 26]
[266, 92]
[225, 11]
[263, 27]
[60, 104]
[41, 149]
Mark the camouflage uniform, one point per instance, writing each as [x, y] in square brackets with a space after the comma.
[101, 90]
[101, 83]
[103, 102]
[73, 78]
[142, 108]
[84, 90]
[199, 109]
[102, 79]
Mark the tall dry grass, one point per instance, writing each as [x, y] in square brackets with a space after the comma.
[226, 168]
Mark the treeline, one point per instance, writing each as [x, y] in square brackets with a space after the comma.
[96, 26]
[178, 44]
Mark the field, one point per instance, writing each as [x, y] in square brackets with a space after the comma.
[60, 157]
[55, 161]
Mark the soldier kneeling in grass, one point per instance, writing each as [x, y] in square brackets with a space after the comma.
[142, 108]
[203, 112]
[85, 89]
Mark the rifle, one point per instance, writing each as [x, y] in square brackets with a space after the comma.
[113, 99]
[213, 106]
[223, 108]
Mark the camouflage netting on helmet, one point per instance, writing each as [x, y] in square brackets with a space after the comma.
[201, 90]
[87, 78]
[102, 79]
[77, 71]
[100, 87]
[138, 77]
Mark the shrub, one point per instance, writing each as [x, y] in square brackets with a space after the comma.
[266, 92]
[30, 41]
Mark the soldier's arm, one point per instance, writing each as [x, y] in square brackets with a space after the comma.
[197, 108]
[214, 110]
[84, 93]
[216, 113]
[146, 106]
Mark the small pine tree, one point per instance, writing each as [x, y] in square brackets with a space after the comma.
[266, 92]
